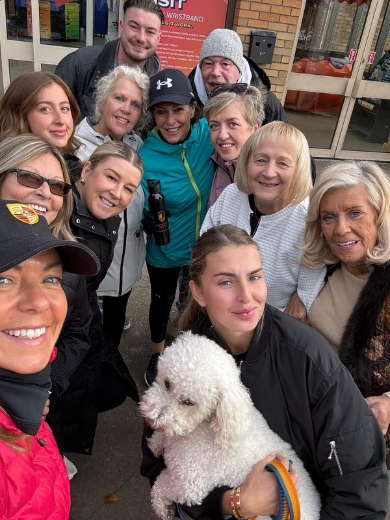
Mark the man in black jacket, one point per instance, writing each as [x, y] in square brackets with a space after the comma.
[140, 33]
[222, 61]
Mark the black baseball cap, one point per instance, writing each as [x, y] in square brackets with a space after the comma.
[170, 86]
[23, 234]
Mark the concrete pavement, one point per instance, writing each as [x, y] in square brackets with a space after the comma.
[114, 465]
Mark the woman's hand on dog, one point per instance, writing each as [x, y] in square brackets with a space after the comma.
[260, 492]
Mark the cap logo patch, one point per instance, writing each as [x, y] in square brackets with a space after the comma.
[23, 213]
[167, 83]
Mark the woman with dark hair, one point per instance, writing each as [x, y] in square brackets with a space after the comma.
[177, 152]
[40, 103]
[295, 380]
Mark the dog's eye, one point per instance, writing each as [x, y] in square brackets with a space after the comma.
[187, 402]
[167, 384]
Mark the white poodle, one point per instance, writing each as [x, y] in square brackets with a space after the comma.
[208, 429]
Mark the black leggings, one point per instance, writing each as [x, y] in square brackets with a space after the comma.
[163, 283]
[114, 315]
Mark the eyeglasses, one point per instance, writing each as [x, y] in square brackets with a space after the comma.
[235, 88]
[34, 181]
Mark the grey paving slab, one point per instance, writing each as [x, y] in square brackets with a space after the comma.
[133, 503]
[114, 465]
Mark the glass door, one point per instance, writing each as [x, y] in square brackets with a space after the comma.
[340, 62]
[366, 128]
[37, 34]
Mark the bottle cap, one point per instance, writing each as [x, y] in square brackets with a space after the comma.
[154, 186]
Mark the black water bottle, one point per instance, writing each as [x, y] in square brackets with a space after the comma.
[157, 208]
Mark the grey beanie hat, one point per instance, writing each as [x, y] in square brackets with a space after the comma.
[226, 44]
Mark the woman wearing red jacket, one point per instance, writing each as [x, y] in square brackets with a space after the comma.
[34, 483]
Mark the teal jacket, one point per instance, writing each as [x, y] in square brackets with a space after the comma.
[186, 173]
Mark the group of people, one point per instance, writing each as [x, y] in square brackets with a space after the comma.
[273, 269]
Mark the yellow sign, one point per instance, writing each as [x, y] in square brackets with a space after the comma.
[23, 213]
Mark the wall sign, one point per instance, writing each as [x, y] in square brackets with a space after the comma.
[187, 24]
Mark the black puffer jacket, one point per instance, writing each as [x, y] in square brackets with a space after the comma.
[72, 346]
[308, 397]
[274, 110]
[87, 395]
[82, 69]
[74, 342]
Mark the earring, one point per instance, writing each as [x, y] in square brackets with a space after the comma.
[82, 180]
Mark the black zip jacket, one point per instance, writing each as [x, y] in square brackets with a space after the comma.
[82, 69]
[102, 381]
[308, 397]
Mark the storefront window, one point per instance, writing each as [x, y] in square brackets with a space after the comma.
[1, 78]
[378, 66]
[18, 67]
[330, 36]
[46, 67]
[62, 22]
[316, 111]
[369, 127]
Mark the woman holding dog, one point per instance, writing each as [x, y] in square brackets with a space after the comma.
[295, 380]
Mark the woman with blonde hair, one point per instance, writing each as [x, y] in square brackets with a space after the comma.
[233, 112]
[348, 232]
[34, 172]
[269, 200]
[56, 207]
[106, 186]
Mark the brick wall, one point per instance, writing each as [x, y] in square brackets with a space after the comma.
[281, 16]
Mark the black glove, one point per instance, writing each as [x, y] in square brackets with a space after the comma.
[149, 223]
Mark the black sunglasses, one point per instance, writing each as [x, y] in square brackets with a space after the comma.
[34, 181]
[235, 88]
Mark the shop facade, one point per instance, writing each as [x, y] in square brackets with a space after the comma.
[328, 60]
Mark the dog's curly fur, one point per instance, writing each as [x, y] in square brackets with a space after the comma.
[209, 431]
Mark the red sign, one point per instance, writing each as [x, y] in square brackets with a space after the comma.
[187, 24]
[352, 55]
[371, 58]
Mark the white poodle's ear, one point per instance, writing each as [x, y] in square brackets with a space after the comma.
[231, 414]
